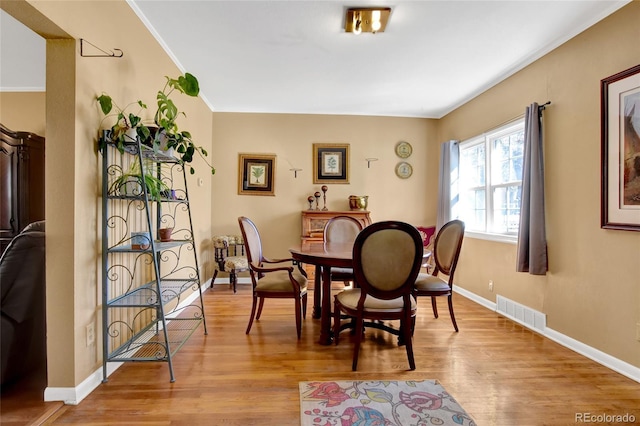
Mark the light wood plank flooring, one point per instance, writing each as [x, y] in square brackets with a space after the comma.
[500, 372]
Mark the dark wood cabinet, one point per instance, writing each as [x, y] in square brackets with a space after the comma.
[313, 222]
[21, 182]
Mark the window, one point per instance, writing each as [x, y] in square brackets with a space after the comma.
[490, 179]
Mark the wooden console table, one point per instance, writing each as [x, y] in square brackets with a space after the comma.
[313, 222]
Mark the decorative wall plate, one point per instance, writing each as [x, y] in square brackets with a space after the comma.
[404, 149]
[404, 170]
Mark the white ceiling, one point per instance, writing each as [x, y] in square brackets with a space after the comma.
[294, 56]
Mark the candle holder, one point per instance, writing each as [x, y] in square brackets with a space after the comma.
[310, 200]
[317, 195]
[324, 197]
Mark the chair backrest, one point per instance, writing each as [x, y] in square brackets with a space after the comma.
[251, 238]
[386, 259]
[342, 229]
[446, 248]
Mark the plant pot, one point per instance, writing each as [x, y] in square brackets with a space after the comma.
[164, 234]
[140, 240]
[131, 187]
[358, 202]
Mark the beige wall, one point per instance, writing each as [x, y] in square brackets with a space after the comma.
[291, 138]
[73, 119]
[23, 111]
[592, 291]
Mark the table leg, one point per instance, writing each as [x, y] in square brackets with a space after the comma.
[325, 318]
[317, 292]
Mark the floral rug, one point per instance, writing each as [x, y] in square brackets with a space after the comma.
[379, 403]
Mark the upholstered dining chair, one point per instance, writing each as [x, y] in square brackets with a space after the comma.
[272, 278]
[342, 229]
[229, 257]
[446, 250]
[386, 261]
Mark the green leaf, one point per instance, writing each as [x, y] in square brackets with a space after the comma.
[105, 103]
[134, 120]
[189, 84]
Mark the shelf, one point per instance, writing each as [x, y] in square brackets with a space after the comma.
[147, 295]
[149, 344]
[144, 290]
[159, 245]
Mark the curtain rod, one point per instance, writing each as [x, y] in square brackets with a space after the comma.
[518, 117]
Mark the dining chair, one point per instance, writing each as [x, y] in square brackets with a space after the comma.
[229, 257]
[386, 261]
[446, 250]
[272, 278]
[342, 229]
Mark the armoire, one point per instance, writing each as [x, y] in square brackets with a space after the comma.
[21, 182]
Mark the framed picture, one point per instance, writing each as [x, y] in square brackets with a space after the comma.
[256, 174]
[330, 163]
[620, 100]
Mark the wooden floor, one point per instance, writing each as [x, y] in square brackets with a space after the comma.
[500, 372]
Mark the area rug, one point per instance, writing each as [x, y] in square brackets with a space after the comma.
[383, 403]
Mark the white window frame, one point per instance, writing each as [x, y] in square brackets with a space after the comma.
[485, 139]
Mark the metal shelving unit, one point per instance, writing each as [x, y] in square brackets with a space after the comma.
[148, 306]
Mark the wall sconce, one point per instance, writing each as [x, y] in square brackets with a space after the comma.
[295, 172]
[369, 160]
[368, 20]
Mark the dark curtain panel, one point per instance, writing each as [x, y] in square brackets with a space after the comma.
[532, 239]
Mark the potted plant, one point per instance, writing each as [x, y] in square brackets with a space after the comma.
[168, 134]
[130, 183]
[128, 125]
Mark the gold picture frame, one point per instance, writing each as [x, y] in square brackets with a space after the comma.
[256, 174]
[330, 163]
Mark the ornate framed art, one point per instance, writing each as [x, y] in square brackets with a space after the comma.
[620, 114]
[256, 174]
[330, 163]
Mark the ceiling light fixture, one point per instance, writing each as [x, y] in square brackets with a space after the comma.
[368, 20]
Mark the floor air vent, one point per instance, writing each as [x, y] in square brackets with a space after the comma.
[524, 315]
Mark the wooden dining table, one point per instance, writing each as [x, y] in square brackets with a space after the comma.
[324, 256]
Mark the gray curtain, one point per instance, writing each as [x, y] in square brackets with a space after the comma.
[448, 183]
[532, 240]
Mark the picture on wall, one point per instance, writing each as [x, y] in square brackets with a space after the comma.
[256, 174]
[330, 163]
[621, 150]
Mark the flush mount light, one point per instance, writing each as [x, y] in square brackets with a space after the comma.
[368, 20]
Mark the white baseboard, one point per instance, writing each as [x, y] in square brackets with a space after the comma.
[73, 395]
[593, 354]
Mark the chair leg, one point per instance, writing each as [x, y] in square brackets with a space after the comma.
[253, 312]
[356, 349]
[260, 308]
[434, 306]
[408, 342]
[304, 306]
[233, 279]
[336, 322]
[453, 317]
[213, 279]
[298, 317]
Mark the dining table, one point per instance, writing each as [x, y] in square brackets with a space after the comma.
[324, 256]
